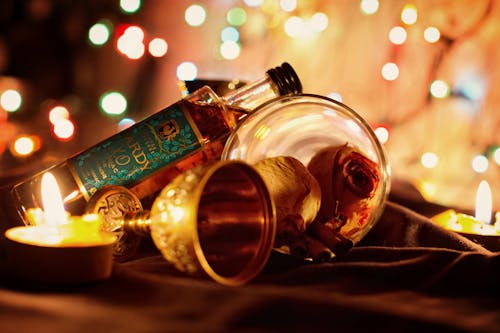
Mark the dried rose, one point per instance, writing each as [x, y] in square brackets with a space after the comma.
[348, 181]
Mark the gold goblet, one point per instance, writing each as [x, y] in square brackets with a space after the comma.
[216, 220]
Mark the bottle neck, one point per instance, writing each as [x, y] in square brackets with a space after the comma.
[250, 96]
[278, 81]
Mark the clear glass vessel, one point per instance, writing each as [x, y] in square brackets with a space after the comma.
[147, 155]
[302, 126]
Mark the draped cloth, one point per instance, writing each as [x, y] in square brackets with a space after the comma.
[406, 275]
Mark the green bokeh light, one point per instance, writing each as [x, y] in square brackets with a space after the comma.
[236, 16]
[130, 6]
[113, 103]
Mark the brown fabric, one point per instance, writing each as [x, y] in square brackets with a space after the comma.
[407, 275]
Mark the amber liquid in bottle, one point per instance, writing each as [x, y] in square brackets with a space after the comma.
[147, 155]
[211, 124]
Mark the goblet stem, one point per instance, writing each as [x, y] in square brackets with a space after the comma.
[138, 223]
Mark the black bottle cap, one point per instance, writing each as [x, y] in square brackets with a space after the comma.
[286, 79]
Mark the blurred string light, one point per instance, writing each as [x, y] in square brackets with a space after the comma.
[390, 71]
[397, 35]
[11, 100]
[302, 28]
[113, 103]
[58, 113]
[319, 22]
[429, 160]
[25, 145]
[496, 155]
[130, 6]
[64, 129]
[134, 33]
[230, 50]
[195, 15]
[480, 163]
[125, 123]
[230, 34]
[369, 7]
[157, 47]
[99, 33]
[409, 14]
[439, 89]
[131, 42]
[470, 86]
[294, 26]
[382, 133]
[187, 71]
[288, 5]
[236, 16]
[253, 3]
[432, 34]
[261, 23]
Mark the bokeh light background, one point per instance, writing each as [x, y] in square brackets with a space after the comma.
[425, 74]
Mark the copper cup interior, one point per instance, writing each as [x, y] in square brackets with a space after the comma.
[235, 222]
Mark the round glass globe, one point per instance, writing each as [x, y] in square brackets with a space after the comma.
[300, 126]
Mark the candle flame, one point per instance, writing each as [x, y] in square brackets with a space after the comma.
[483, 202]
[52, 201]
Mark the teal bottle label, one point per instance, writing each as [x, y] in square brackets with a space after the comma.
[137, 152]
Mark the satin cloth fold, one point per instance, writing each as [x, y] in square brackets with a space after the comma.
[406, 275]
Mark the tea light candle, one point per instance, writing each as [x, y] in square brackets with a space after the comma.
[477, 228]
[58, 248]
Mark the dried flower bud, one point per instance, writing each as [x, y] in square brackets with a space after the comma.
[293, 189]
[348, 181]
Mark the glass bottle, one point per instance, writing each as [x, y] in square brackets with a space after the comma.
[147, 155]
